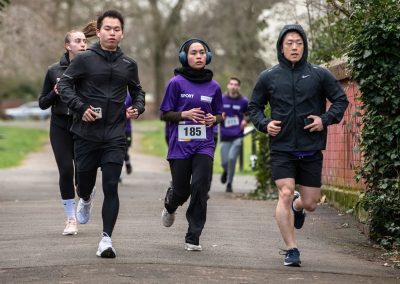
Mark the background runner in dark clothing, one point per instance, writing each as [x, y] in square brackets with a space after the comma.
[61, 121]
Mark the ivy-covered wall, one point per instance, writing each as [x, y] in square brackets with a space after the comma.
[342, 156]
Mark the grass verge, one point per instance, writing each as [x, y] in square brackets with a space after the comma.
[16, 143]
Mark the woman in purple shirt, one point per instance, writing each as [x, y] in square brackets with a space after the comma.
[192, 104]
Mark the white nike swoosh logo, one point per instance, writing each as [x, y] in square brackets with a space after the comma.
[304, 76]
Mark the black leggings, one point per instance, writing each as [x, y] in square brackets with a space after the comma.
[110, 175]
[191, 177]
[128, 136]
[63, 149]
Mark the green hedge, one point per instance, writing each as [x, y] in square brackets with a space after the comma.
[374, 57]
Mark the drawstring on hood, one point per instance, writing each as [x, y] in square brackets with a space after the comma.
[281, 58]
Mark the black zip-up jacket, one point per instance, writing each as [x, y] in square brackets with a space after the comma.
[60, 113]
[295, 91]
[100, 78]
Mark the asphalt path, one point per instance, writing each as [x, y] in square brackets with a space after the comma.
[240, 241]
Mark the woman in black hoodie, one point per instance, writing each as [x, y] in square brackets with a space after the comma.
[61, 119]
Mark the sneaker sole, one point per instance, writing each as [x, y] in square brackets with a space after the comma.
[292, 264]
[69, 233]
[189, 249]
[108, 253]
[193, 249]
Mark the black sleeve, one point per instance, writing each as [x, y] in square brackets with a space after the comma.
[171, 116]
[48, 96]
[219, 118]
[65, 86]
[336, 95]
[135, 90]
[258, 101]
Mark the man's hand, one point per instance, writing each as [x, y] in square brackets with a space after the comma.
[195, 115]
[132, 113]
[273, 127]
[55, 89]
[316, 125]
[89, 115]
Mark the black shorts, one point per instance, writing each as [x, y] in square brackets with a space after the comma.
[90, 155]
[305, 170]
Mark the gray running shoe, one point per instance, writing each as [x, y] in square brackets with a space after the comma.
[84, 209]
[167, 218]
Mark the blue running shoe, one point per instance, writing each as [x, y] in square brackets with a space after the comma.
[299, 216]
[292, 257]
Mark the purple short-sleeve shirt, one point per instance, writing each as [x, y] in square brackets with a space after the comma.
[234, 110]
[182, 95]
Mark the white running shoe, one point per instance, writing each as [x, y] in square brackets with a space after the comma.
[84, 208]
[105, 247]
[71, 227]
[192, 247]
[167, 218]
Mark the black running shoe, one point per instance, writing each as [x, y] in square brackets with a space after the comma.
[292, 257]
[223, 177]
[128, 168]
[299, 216]
[229, 188]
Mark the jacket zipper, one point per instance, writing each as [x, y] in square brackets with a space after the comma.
[294, 108]
[108, 99]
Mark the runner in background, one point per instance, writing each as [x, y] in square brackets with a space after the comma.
[61, 140]
[231, 130]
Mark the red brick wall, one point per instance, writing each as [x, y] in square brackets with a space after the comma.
[342, 155]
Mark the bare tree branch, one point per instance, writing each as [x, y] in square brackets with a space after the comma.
[340, 8]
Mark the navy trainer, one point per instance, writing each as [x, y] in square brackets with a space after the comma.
[299, 216]
[292, 257]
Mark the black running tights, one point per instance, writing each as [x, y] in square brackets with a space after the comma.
[110, 175]
[63, 149]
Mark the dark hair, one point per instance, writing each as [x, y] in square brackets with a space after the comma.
[110, 14]
[190, 42]
[236, 79]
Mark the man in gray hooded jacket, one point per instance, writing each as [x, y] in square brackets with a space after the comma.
[296, 92]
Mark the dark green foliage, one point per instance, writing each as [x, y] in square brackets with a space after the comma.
[3, 4]
[374, 56]
[266, 188]
[14, 88]
[332, 38]
[265, 185]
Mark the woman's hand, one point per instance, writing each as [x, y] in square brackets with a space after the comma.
[195, 114]
[210, 120]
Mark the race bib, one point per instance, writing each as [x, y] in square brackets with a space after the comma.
[187, 132]
[231, 121]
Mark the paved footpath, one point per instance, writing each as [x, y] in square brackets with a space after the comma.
[240, 239]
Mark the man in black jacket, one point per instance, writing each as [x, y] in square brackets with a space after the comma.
[296, 92]
[95, 86]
